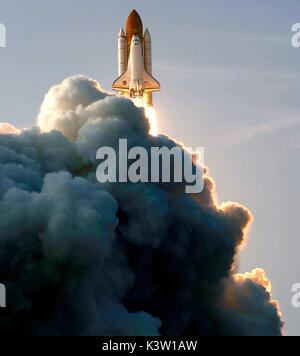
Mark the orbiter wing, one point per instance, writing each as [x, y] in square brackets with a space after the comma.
[151, 84]
[123, 82]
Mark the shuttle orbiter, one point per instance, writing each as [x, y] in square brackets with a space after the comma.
[135, 62]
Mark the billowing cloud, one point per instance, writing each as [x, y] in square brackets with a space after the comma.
[6, 128]
[83, 258]
[241, 310]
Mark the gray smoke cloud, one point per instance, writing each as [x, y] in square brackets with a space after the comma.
[83, 258]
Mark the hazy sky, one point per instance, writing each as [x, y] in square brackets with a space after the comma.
[230, 82]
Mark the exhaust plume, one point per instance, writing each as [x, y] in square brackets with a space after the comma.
[83, 258]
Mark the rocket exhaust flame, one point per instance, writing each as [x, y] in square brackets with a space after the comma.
[151, 115]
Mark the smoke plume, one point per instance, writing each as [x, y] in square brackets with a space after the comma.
[83, 258]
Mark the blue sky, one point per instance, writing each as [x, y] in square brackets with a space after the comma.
[230, 82]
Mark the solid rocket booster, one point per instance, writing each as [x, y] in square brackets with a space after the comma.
[122, 52]
[148, 100]
[135, 62]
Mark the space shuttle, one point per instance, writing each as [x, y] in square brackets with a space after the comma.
[135, 62]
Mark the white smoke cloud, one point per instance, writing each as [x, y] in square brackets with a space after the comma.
[6, 128]
[63, 105]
